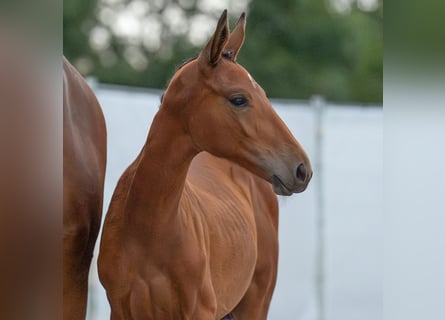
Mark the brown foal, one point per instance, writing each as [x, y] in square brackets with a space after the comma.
[191, 232]
[84, 157]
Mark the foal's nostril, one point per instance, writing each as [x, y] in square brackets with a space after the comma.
[301, 172]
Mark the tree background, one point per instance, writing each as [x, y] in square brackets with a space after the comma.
[293, 48]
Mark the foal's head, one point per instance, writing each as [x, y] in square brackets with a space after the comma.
[227, 114]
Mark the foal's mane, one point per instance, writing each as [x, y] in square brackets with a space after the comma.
[176, 70]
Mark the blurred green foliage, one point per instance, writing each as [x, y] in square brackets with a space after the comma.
[293, 48]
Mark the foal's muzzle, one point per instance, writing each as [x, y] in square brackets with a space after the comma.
[300, 181]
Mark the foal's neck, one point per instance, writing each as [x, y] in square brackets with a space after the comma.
[161, 172]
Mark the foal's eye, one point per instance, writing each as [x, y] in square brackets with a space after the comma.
[238, 101]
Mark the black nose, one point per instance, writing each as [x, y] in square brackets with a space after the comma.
[302, 173]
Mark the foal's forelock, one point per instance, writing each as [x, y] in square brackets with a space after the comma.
[186, 62]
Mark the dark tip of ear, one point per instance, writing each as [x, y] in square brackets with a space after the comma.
[223, 19]
[243, 15]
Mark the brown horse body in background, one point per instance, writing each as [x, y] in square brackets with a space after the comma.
[84, 157]
[191, 232]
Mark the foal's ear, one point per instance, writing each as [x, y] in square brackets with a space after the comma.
[236, 39]
[212, 51]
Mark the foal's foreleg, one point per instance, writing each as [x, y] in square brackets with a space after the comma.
[255, 303]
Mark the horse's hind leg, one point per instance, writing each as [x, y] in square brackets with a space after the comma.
[76, 263]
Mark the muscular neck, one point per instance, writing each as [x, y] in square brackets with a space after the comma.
[161, 172]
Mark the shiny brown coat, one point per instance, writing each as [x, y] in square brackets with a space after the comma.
[192, 229]
[84, 157]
